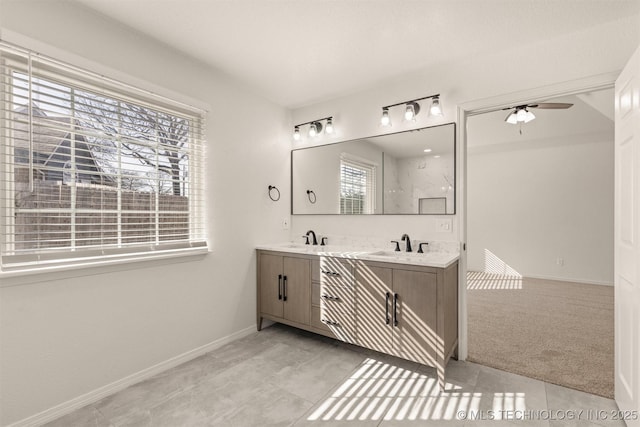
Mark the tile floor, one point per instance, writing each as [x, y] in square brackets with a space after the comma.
[282, 376]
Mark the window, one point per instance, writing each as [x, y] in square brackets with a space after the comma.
[357, 187]
[93, 168]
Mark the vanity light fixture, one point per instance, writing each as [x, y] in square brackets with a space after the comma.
[412, 109]
[435, 109]
[315, 127]
[385, 120]
[328, 129]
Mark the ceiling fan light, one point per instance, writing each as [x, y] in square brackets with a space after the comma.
[529, 116]
[513, 118]
[521, 115]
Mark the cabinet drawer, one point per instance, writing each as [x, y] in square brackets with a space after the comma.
[338, 296]
[336, 271]
[337, 311]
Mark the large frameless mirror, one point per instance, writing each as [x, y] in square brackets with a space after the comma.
[411, 172]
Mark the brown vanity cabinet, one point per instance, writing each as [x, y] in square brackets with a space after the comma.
[404, 310]
[284, 289]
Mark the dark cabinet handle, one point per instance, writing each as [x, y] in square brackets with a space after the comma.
[329, 322]
[386, 309]
[329, 297]
[284, 288]
[279, 286]
[395, 309]
[330, 273]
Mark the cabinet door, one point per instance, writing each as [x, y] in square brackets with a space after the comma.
[415, 334]
[270, 285]
[374, 299]
[297, 289]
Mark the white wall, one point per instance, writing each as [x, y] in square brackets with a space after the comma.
[532, 203]
[65, 335]
[599, 50]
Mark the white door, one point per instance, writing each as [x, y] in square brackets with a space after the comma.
[627, 239]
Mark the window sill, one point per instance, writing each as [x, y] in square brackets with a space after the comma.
[37, 274]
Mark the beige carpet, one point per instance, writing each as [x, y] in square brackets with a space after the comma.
[559, 332]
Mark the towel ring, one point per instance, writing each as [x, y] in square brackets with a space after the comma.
[311, 199]
[276, 198]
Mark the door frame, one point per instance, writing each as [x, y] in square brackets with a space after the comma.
[485, 105]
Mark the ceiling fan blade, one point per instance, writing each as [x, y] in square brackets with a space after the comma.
[552, 105]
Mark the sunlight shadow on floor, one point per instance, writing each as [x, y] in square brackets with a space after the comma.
[380, 390]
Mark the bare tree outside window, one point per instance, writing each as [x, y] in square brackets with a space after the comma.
[154, 144]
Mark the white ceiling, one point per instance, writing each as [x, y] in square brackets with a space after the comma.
[297, 52]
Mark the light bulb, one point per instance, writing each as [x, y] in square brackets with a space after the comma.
[296, 133]
[529, 116]
[329, 127]
[315, 128]
[385, 120]
[435, 110]
[412, 110]
[409, 113]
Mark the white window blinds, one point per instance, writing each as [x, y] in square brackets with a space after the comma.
[93, 168]
[357, 187]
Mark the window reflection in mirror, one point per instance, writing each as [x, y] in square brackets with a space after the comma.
[411, 172]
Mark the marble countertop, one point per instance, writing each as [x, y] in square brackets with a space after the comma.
[438, 259]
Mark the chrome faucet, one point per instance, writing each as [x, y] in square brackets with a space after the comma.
[313, 234]
[405, 237]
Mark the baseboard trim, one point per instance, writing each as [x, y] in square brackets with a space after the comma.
[565, 279]
[556, 279]
[93, 396]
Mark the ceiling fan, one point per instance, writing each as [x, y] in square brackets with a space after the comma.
[521, 113]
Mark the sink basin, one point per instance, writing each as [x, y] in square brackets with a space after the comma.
[396, 254]
[304, 248]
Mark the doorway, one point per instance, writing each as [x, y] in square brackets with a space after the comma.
[539, 234]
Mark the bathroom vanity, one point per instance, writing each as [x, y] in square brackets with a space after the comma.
[398, 303]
